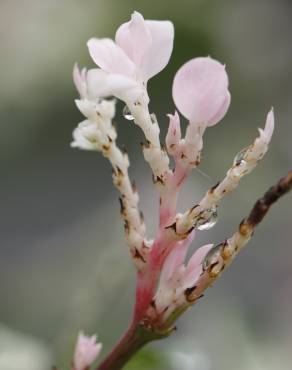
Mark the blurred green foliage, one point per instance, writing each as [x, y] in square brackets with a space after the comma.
[148, 360]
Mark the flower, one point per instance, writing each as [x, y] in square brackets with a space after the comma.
[95, 83]
[200, 91]
[86, 351]
[97, 130]
[141, 50]
[86, 136]
[177, 275]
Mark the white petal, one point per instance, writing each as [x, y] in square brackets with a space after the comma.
[102, 84]
[158, 55]
[173, 136]
[261, 144]
[86, 107]
[110, 57]
[134, 38]
[86, 136]
[270, 124]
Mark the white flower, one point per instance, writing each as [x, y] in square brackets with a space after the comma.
[96, 130]
[86, 136]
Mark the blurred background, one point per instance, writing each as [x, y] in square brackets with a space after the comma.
[64, 265]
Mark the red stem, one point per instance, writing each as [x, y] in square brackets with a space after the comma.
[134, 339]
[137, 335]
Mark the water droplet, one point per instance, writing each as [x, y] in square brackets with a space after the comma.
[207, 219]
[211, 255]
[239, 158]
[127, 113]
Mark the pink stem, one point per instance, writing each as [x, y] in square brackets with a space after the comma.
[137, 335]
[147, 280]
[168, 201]
[134, 339]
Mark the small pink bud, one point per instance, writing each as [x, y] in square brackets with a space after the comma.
[173, 134]
[86, 351]
[200, 91]
[79, 78]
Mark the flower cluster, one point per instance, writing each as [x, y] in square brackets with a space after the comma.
[167, 283]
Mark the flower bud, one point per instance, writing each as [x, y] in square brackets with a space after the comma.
[86, 351]
[200, 91]
[173, 136]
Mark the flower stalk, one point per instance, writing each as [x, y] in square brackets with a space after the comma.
[132, 341]
[168, 282]
[138, 334]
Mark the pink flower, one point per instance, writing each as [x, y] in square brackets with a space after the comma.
[200, 91]
[176, 276]
[141, 50]
[86, 351]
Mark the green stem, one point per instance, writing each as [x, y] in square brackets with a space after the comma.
[131, 342]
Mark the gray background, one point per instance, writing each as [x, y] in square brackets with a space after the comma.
[64, 265]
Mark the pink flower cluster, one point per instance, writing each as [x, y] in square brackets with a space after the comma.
[141, 49]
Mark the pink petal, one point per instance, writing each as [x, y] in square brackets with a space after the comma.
[200, 90]
[86, 351]
[198, 256]
[173, 261]
[194, 266]
[79, 78]
[158, 55]
[110, 57]
[176, 258]
[134, 38]
[222, 111]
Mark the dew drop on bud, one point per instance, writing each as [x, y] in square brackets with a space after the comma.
[208, 219]
[127, 113]
[211, 255]
[239, 158]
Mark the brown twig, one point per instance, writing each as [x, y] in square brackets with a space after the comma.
[262, 206]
